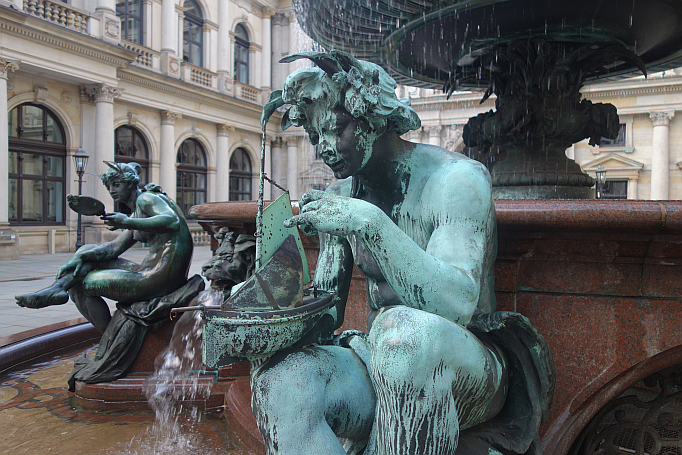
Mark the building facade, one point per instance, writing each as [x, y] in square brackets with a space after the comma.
[175, 85]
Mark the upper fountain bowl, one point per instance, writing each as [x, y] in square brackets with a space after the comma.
[423, 44]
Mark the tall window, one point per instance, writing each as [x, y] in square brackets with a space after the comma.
[192, 33]
[240, 176]
[130, 12]
[241, 54]
[131, 146]
[191, 175]
[37, 160]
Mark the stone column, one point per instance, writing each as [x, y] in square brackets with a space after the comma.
[276, 166]
[104, 136]
[168, 155]
[292, 167]
[277, 51]
[434, 134]
[266, 65]
[170, 64]
[293, 44]
[223, 162]
[224, 50]
[660, 154]
[5, 67]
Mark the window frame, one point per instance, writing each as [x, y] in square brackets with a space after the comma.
[241, 66]
[45, 149]
[125, 15]
[186, 168]
[192, 19]
[239, 175]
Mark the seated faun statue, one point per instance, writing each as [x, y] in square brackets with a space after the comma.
[439, 371]
[145, 292]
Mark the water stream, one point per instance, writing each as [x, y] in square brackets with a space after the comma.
[174, 391]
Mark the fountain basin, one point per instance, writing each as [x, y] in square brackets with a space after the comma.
[600, 280]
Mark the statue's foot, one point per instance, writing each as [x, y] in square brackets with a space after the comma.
[43, 298]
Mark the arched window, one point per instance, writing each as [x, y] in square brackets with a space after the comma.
[192, 33]
[37, 166]
[240, 176]
[131, 146]
[130, 12]
[191, 175]
[241, 54]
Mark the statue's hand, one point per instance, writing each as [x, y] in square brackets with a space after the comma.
[115, 220]
[338, 215]
[74, 264]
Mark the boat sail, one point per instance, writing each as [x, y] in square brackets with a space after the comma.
[269, 311]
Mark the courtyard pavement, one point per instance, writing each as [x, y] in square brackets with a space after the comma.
[36, 271]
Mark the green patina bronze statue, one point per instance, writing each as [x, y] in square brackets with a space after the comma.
[145, 292]
[439, 370]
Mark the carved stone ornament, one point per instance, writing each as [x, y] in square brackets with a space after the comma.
[65, 96]
[40, 93]
[132, 118]
[174, 65]
[6, 66]
[169, 118]
[112, 28]
[661, 118]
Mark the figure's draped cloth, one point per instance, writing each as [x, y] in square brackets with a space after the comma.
[514, 430]
[123, 337]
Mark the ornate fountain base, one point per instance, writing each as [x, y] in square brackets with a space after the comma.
[525, 175]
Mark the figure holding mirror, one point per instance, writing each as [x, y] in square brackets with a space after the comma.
[98, 271]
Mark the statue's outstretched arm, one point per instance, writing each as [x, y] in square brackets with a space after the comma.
[160, 216]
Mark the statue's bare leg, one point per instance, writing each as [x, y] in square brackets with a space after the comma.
[92, 307]
[304, 400]
[432, 379]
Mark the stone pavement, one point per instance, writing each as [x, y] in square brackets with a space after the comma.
[36, 271]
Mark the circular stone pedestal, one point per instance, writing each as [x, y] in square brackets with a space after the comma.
[543, 192]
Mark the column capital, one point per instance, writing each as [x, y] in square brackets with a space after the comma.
[169, 118]
[224, 129]
[264, 12]
[291, 141]
[103, 93]
[661, 118]
[433, 130]
[7, 66]
[279, 19]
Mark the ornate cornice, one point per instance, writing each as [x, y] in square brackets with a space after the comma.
[59, 41]
[224, 129]
[661, 118]
[169, 118]
[7, 66]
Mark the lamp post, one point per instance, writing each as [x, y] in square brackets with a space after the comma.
[80, 161]
[601, 180]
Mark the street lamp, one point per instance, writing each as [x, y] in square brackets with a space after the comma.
[80, 161]
[601, 180]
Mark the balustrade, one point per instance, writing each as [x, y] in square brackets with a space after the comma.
[59, 13]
